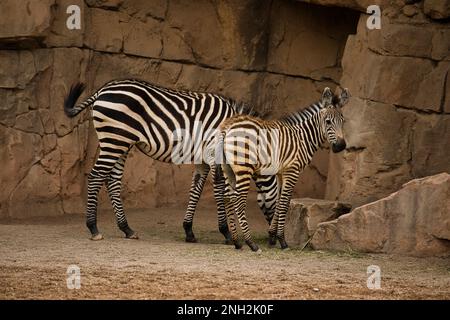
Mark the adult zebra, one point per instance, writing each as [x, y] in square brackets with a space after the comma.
[250, 146]
[134, 112]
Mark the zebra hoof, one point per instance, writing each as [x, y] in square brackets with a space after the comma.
[272, 241]
[254, 247]
[134, 236]
[283, 243]
[226, 233]
[191, 239]
[286, 249]
[237, 245]
[97, 237]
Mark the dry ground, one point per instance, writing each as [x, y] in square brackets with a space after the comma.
[35, 254]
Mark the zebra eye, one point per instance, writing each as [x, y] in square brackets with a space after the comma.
[328, 121]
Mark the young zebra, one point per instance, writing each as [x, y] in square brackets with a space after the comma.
[134, 112]
[285, 147]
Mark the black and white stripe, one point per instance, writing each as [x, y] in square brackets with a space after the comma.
[134, 112]
[289, 145]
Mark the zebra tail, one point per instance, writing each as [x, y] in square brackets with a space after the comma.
[226, 168]
[70, 109]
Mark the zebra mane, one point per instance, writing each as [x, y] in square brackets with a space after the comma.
[244, 109]
[303, 115]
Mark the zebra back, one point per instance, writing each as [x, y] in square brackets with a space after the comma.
[133, 111]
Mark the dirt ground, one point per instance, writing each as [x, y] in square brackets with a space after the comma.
[35, 254]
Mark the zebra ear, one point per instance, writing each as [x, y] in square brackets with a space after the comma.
[344, 97]
[327, 96]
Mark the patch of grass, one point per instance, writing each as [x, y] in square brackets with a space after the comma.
[260, 237]
[349, 253]
[213, 238]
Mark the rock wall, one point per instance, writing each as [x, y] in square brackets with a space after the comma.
[277, 55]
[398, 121]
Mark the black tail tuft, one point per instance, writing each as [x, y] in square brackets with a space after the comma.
[75, 92]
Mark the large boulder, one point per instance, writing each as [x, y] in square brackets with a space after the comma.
[394, 39]
[437, 9]
[24, 22]
[402, 80]
[414, 221]
[18, 69]
[28, 200]
[106, 30]
[19, 151]
[305, 214]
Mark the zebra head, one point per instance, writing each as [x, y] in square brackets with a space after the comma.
[331, 118]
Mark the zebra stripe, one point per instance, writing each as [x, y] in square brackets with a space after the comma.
[290, 150]
[134, 112]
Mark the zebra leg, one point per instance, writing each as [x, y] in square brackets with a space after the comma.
[230, 201]
[289, 179]
[274, 223]
[97, 177]
[95, 182]
[267, 188]
[242, 188]
[198, 181]
[114, 187]
[273, 229]
[284, 206]
[219, 193]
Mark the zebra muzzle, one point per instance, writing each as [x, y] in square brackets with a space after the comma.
[339, 146]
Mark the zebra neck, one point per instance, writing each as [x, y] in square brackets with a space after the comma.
[303, 115]
[311, 133]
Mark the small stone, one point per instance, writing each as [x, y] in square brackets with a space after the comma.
[410, 10]
[305, 214]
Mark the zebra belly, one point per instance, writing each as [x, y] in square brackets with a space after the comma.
[195, 152]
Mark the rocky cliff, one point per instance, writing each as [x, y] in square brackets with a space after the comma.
[398, 124]
[276, 55]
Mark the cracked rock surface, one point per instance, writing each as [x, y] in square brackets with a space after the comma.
[414, 220]
[276, 55]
